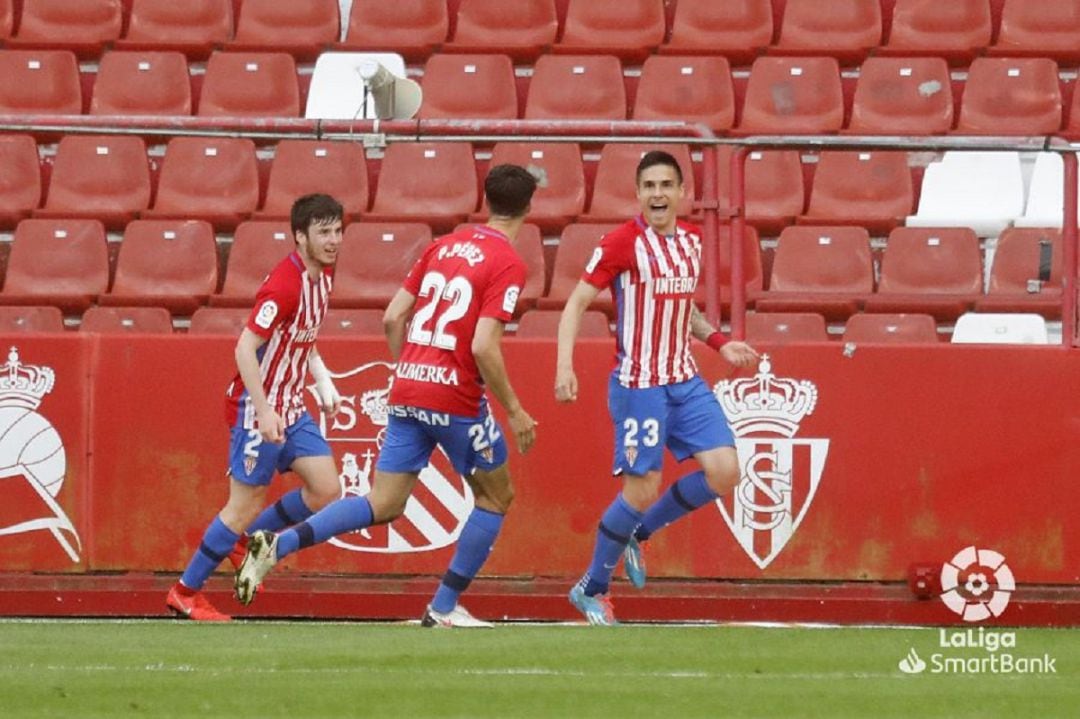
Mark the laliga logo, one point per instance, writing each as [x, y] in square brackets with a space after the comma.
[780, 473]
[32, 459]
[441, 500]
[977, 584]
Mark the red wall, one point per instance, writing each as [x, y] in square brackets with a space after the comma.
[929, 450]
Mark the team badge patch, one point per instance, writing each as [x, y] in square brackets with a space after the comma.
[249, 464]
[510, 298]
[488, 454]
[631, 455]
[267, 312]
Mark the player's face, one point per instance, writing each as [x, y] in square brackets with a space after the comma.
[321, 242]
[659, 191]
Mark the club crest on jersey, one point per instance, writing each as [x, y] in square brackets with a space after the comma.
[441, 500]
[249, 464]
[33, 463]
[780, 473]
[631, 455]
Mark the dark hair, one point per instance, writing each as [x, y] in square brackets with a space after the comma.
[509, 190]
[658, 157]
[315, 208]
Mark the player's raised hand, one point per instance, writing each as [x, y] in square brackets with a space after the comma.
[566, 385]
[524, 428]
[739, 354]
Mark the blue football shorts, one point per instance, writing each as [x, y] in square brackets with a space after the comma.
[254, 461]
[684, 417]
[470, 443]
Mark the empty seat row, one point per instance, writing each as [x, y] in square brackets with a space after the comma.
[848, 29]
[905, 328]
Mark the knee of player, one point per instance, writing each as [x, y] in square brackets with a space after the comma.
[723, 478]
[316, 499]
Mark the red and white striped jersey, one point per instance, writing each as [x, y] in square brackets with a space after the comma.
[652, 281]
[289, 308]
[461, 277]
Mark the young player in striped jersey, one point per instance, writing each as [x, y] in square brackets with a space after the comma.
[463, 289]
[270, 429]
[656, 398]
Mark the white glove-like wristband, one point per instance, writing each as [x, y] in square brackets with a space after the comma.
[324, 385]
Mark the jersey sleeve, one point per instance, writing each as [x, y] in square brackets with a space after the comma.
[415, 278]
[501, 293]
[612, 257]
[276, 300]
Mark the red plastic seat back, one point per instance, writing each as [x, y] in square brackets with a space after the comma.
[1006, 96]
[39, 82]
[299, 28]
[373, 261]
[16, 320]
[216, 179]
[427, 178]
[171, 261]
[783, 327]
[301, 167]
[841, 28]
[250, 84]
[902, 96]
[412, 28]
[955, 30]
[122, 320]
[576, 246]
[51, 258]
[868, 188]
[823, 259]
[256, 247]
[1020, 259]
[891, 327]
[799, 95]
[688, 89]
[935, 260]
[736, 29]
[20, 182]
[578, 87]
[469, 86]
[627, 28]
[103, 176]
[194, 26]
[142, 83]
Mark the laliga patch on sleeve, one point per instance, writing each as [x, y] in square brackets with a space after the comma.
[597, 255]
[510, 298]
[266, 314]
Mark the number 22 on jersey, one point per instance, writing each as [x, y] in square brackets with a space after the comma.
[427, 328]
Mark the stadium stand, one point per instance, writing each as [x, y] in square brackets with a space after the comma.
[871, 189]
[83, 27]
[212, 179]
[1011, 96]
[991, 328]
[305, 166]
[1044, 29]
[142, 83]
[20, 182]
[956, 30]
[902, 96]
[42, 82]
[374, 258]
[844, 29]
[430, 182]
[739, 30]
[255, 84]
[775, 189]
[1046, 189]
[753, 272]
[219, 321]
[413, 28]
[469, 86]
[614, 195]
[57, 262]
[523, 29]
[165, 263]
[544, 324]
[16, 320]
[578, 87]
[867, 327]
[793, 95]
[560, 196]
[785, 327]
[256, 247]
[352, 323]
[687, 89]
[120, 320]
[576, 245]
[630, 29]
[981, 190]
[302, 29]
[1025, 274]
[193, 27]
[101, 177]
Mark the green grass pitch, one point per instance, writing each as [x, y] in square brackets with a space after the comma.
[58, 668]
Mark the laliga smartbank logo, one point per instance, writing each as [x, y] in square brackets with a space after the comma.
[976, 584]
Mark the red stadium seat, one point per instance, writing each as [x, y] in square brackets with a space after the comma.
[16, 320]
[194, 27]
[373, 262]
[103, 177]
[937, 271]
[614, 196]
[529, 247]
[83, 27]
[7, 18]
[688, 89]
[522, 29]
[39, 82]
[775, 191]
[469, 87]
[737, 29]
[305, 166]
[576, 245]
[57, 262]
[785, 327]
[544, 324]
[250, 84]
[142, 83]
[256, 247]
[901, 328]
[20, 182]
[431, 182]
[206, 178]
[219, 321]
[870, 189]
[411, 28]
[955, 30]
[902, 96]
[844, 29]
[793, 95]
[631, 29]
[560, 196]
[1011, 96]
[1041, 29]
[352, 323]
[753, 273]
[302, 29]
[820, 269]
[123, 320]
[165, 263]
[576, 88]
[1026, 272]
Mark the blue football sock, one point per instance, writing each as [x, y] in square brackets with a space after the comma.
[616, 527]
[217, 542]
[473, 547]
[683, 497]
[285, 512]
[344, 515]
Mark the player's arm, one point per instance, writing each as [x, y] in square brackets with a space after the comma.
[487, 351]
[737, 353]
[396, 321]
[329, 399]
[271, 425]
[566, 384]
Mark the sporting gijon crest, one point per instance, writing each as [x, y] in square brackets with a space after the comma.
[779, 472]
[441, 499]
